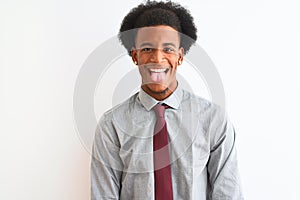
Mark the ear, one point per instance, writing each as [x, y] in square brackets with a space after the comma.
[134, 55]
[180, 55]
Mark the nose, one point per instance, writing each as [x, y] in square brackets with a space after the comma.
[157, 56]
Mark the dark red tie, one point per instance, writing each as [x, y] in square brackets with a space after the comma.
[162, 168]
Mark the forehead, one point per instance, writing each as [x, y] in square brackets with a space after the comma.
[157, 35]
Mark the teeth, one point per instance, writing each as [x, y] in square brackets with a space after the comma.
[158, 70]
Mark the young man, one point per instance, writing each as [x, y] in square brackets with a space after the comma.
[163, 142]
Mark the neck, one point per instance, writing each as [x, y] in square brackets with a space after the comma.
[159, 95]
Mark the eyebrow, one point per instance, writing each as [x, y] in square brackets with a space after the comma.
[151, 45]
[169, 44]
[146, 44]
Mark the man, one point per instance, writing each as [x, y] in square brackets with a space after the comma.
[163, 142]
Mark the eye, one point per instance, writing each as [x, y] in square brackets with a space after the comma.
[147, 49]
[169, 49]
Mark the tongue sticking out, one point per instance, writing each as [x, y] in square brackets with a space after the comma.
[158, 77]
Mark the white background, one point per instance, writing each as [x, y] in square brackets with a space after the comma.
[43, 44]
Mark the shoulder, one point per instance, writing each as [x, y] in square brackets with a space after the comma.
[207, 112]
[120, 109]
[199, 103]
[125, 117]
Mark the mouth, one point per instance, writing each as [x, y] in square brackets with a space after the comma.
[158, 75]
[158, 70]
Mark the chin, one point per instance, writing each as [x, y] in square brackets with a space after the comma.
[157, 89]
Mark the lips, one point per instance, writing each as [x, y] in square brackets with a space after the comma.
[158, 70]
[158, 74]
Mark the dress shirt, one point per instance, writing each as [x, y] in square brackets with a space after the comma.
[201, 142]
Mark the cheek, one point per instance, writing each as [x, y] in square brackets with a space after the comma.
[142, 71]
[174, 65]
[174, 61]
[141, 58]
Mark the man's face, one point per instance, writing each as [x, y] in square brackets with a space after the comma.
[157, 52]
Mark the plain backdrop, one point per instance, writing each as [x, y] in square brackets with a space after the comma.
[43, 44]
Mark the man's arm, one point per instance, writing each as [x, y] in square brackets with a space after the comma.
[106, 164]
[222, 165]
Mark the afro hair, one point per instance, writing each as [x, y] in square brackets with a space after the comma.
[154, 13]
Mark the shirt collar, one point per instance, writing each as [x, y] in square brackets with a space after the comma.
[173, 100]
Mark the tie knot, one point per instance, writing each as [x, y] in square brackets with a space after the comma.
[160, 109]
